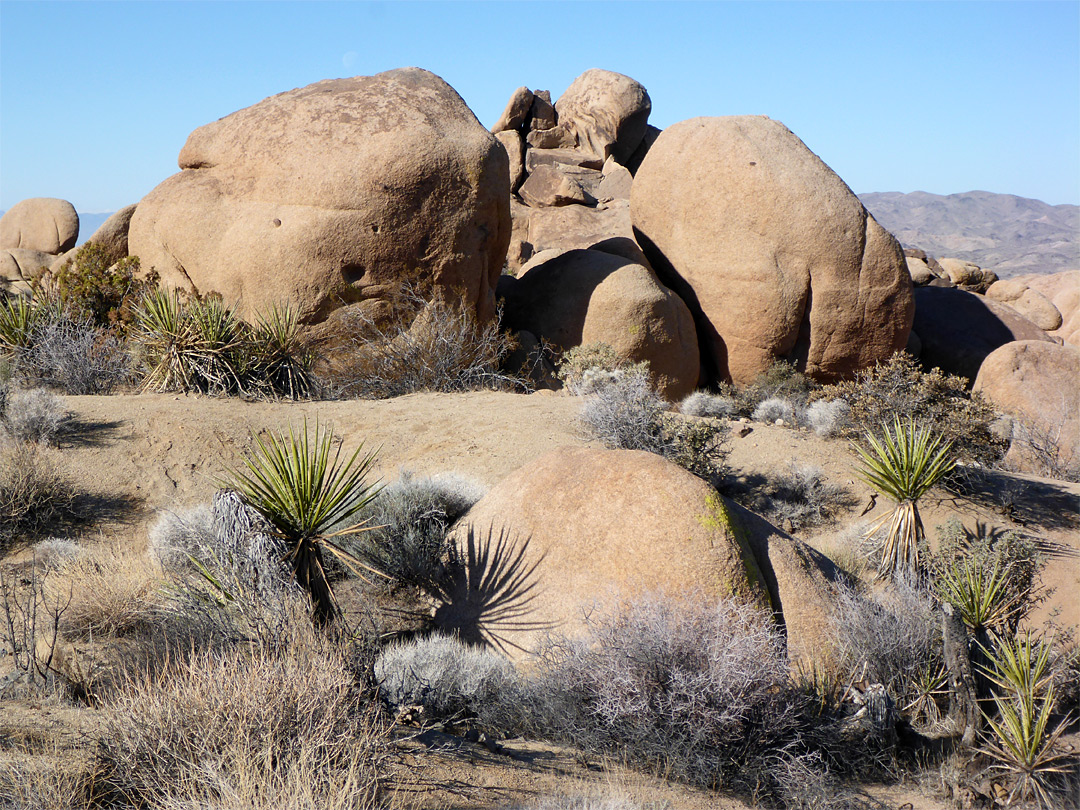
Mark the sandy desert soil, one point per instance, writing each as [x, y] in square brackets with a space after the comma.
[138, 454]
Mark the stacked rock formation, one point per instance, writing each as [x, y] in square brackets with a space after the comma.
[32, 234]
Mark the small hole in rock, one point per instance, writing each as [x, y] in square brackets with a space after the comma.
[352, 273]
[277, 222]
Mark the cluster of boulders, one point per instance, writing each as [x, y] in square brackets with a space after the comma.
[710, 249]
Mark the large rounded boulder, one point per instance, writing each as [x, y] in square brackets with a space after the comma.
[1063, 291]
[332, 194]
[591, 296]
[959, 329]
[776, 255]
[606, 113]
[604, 525]
[1035, 382]
[43, 224]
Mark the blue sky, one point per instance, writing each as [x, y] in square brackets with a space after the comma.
[96, 99]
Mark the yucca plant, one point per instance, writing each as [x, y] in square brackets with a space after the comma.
[982, 596]
[166, 338]
[1021, 741]
[220, 342]
[18, 317]
[303, 486]
[281, 360]
[903, 465]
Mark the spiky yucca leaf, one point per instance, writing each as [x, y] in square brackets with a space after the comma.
[18, 316]
[906, 462]
[282, 361]
[903, 465]
[1021, 741]
[981, 596]
[303, 486]
[166, 338]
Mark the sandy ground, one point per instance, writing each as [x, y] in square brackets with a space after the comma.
[139, 454]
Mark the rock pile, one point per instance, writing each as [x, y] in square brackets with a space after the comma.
[32, 234]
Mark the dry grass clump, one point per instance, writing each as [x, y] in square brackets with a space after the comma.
[775, 409]
[286, 729]
[72, 354]
[827, 417]
[110, 596]
[424, 345]
[799, 498]
[34, 494]
[57, 781]
[713, 406]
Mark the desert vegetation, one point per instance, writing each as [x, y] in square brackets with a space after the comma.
[285, 643]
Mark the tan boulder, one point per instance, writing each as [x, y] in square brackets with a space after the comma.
[517, 110]
[19, 268]
[515, 151]
[960, 272]
[920, 271]
[44, 224]
[561, 157]
[606, 112]
[604, 525]
[959, 329]
[112, 234]
[542, 113]
[333, 194]
[1030, 303]
[616, 182]
[548, 186]
[1036, 383]
[634, 161]
[781, 258]
[564, 228]
[588, 296]
[1063, 291]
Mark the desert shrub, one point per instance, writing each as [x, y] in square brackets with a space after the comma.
[281, 362]
[266, 729]
[693, 688]
[781, 380]
[34, 494]
[33, 415]
[108, 596]
[892, 638]
[18, 317]
[445, 676]
[591, 367]
[409, 522]
[629, 414]
[799, 498]
[180, 535]
[425, 345]
[827, 417]
[899, 388]
[91, 286]
[1042, 446]
[701, 403]
[772, 409]
[56, 552]
[73, 355]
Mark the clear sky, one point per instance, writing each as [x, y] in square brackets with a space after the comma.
[96, 98]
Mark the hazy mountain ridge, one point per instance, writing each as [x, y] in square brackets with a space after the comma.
[1008, 234]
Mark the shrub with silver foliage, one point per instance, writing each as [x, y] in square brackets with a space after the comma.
[692, 685]
[179, 535]
[701, 403]
[827, 417]
[34, 415]
[56, 552]
[410, 520]
[627, 415]
[444, 675]
[74, 356]
[774, 408]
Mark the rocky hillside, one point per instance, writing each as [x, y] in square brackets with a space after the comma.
[1008, 234]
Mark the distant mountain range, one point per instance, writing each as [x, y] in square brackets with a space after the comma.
[1010, 235]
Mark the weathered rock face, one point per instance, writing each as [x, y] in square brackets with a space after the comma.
[1035, 382]
[920, 271]
[606, 112]
[1030, 303]
[112, 235]
[1063, 291]
[967, 274]
[588, 296]
[778, 256]
[44, 224]
[332, 194]
[20, 267]
[608, 524]
[958, 329]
